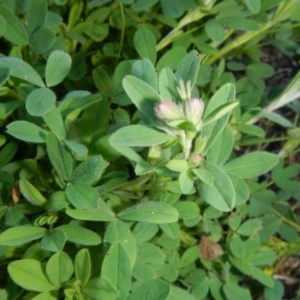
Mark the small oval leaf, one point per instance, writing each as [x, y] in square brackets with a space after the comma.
[40, 101]
[80, 235]
[31, 193]
[20, 235]
[137, 136]
[27, 131]
[22, 70]
[152, 212]
[82, 195]
[57, 67]
[252, 164]
[28, 273]
[145, 43]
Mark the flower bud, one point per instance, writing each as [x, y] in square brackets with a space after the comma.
[195, 160]
[193, 111]
[154, 152]
[168, 111]
[200, 145]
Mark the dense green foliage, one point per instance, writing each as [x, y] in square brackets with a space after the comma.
[144, 153]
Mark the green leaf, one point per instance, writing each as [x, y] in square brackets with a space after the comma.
[118, 232]
[145, 44]
[200, 288]
[264, 257]
[6, 109]
[152, 212]
[89, 171]
[250, 270]
[214, 30]
[170, 59]
[285, 177]
[54, 121]
[37, 14]
[45, 296]
[2, 28]
[188, 68]
[188, 212]
[221, 195]
[276, 118]
[233, 291]
[276, 292]
[20, 235]
[42, 40]
[235, 23]
[80, 235]
[57, 67]
[102, 213]
[203, 175]
[253, 5]
[189, 256]
[177, 165]
[252, 164]
[82, 195]
[153, 289]
[260, 70]
[222, 149]
[59, 268]
[186, 182]
[253, 130]
[241, 189]
[141, 5]
[83, 266]
[99, 289]
[250, 227]
[116, 269]
[177, 293]
[103, 80]
[144, 231]
[211, 131]
[144, 70]
[81, 100]
[137, 136]
[79, 151]
[31, 193]
[220, 112]
[167, 84]
[40, 101]
[28, 274]
[15, 31]
[172, 8]
[143, 96]
[7, 153]
[237, 247]
[4, 74]
[27, 131]
[22, 70]
[60, 158]
[53, 241]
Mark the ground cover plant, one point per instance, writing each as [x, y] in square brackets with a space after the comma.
[149, 149]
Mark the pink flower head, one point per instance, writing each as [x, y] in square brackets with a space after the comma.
[193, 111]
[168, 111]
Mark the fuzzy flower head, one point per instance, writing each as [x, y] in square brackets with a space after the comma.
[193, 110]
[168, 111]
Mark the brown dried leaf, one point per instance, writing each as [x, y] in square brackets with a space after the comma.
[209, 250]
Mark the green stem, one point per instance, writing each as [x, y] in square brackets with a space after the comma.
[122, 31]
[265, 141]
[241, 40]
[287, 221]
[192, 16]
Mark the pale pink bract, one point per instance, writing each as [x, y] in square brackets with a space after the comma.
[168, 111]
